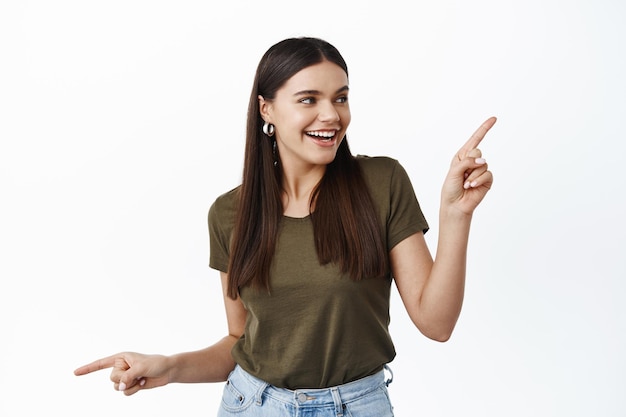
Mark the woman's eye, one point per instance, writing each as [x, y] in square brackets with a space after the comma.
[307, 100]
[342, 99]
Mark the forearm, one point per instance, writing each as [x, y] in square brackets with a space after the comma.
[443, 294]
[212, 364]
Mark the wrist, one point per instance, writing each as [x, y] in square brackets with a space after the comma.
[173, 364]
[450, 213]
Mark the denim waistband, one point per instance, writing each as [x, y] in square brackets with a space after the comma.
[316, 397]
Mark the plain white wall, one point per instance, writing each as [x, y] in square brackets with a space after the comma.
[121, 121]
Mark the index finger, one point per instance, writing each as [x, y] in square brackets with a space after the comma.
[98, 365]
[477, 137]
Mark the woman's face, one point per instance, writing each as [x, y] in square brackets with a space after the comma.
[311, 114]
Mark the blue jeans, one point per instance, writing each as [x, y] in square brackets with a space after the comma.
[247, 396]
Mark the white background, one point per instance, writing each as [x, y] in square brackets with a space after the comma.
[122, 121]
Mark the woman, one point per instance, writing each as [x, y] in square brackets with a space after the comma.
[307, 247]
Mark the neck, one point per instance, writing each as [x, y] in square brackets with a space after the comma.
[297, 189]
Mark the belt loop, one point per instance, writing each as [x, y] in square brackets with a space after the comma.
[259, 393]
[390, 380]
[337, 400]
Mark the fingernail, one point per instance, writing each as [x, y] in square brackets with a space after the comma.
[122, 387]
[466, 185]
[480, 161]
[142, 382]
[474, 184]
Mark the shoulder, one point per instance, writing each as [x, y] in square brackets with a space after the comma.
[385, 177]
[378, 169]
[224, 206]
[376, 162]
[221, 224]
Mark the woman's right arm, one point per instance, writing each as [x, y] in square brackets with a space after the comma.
[134, 371]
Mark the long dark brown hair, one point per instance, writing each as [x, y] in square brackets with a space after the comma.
[345, 223]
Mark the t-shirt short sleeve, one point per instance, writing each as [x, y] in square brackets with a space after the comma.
[394, 197]
[405, 215]
[317, 327]
[221, 221]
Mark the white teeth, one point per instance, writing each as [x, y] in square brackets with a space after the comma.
[326, 135]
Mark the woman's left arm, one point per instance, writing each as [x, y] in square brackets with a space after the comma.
[432, 291]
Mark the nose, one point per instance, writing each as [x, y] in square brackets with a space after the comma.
[328, 112]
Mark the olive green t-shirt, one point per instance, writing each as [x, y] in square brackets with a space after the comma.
[318, 328]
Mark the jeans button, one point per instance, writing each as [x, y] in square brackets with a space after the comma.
[302, 397]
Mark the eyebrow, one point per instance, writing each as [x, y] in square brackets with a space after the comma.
[317, 92]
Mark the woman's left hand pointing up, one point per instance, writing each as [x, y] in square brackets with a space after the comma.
[468, 179]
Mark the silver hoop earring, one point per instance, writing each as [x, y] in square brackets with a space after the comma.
[268, 129]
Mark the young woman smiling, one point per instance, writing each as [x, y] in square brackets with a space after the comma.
[307, 248]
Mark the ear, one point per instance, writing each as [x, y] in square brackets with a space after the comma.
[265, 109]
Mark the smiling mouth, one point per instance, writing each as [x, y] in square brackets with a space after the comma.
[324, 135]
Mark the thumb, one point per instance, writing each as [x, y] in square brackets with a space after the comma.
[134, 385]
[129, 375]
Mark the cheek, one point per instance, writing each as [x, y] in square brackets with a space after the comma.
[294, 118]
[345, 117]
